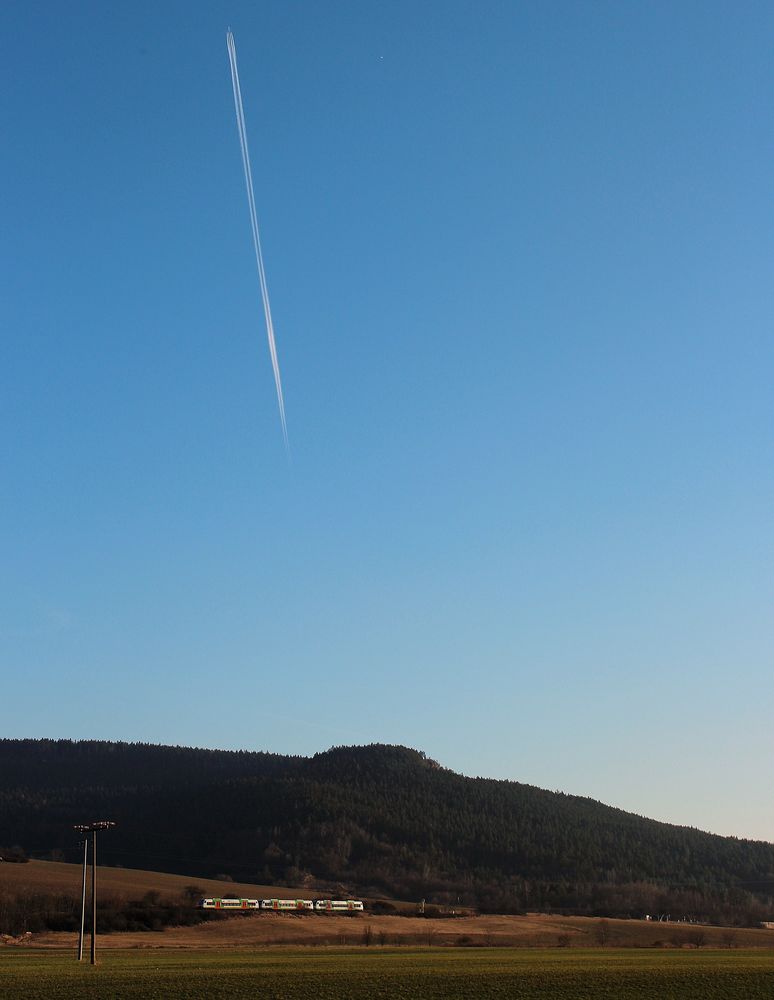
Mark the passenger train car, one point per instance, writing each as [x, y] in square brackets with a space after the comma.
[293, 905]
[338, 905]
[228, 903]
[287, 904]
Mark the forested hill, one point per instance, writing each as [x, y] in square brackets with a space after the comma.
[378, 818]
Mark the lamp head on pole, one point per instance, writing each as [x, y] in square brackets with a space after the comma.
[103, 824]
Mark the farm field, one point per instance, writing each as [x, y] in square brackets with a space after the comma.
[427, 974]
[123, 883]
[264, 930]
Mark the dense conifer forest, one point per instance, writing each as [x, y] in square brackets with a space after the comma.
[379, 820]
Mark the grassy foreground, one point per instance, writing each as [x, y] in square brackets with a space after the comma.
[407, 974]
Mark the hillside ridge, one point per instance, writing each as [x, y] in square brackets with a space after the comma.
[378, 818]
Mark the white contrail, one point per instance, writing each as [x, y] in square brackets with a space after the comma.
[240, 115]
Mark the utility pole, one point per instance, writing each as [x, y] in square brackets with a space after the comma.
[93, 896]
[83, 898]
[91, 828]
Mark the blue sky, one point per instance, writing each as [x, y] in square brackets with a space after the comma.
[519, 256]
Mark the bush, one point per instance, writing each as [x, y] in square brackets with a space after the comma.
[382, 906]
[14, 855]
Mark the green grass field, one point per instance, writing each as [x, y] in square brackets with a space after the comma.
[402, 973]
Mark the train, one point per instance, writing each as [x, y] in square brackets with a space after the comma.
[293, 905]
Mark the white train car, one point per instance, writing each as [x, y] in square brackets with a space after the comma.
[338, 906]
[236, 903]
[228, 903]
[287, 904]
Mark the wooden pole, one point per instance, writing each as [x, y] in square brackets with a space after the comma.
[83, 898]
[93, 897]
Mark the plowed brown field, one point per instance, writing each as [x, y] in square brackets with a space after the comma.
[125, 883]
